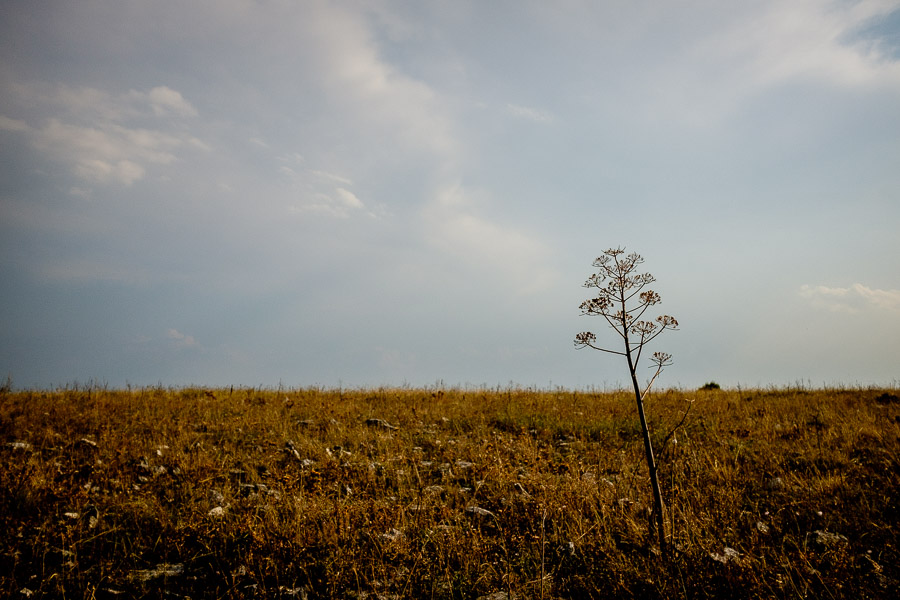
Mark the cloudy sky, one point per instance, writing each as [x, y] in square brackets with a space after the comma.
[385, 193]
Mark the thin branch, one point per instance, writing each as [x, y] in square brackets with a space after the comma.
[661, 329]
[640, 348]
[680, 423]
[614, 326]
[643, 308]
[639, 288]
[604, 349]
[649, 383]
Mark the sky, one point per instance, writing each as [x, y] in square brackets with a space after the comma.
[389, 193]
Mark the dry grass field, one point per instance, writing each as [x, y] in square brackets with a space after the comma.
[427, 493]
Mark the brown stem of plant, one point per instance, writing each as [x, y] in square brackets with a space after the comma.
[651, 462]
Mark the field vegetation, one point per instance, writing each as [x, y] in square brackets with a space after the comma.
[447, 493]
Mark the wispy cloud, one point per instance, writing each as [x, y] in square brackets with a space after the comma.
[8, 124]
[374, 95]
[317, 192]
[181, 340]
[510, 254]
[85, 102]
[348, 199]
[340, 204]
[164, 101]
[737, 55]
[853, 299]
[814, 40]
[331, 176]
[88, 129]
[525, 112]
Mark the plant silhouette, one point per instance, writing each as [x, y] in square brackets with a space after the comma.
[622, 300]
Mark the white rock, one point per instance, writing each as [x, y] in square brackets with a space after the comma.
[160, 570]
[481, 512]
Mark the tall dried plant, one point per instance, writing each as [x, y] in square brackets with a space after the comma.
[622, 299]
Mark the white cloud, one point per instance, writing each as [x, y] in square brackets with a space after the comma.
[809, 39]
[332, 177]
[734, 54]
[181, 340]
[524, 112]
[317, 191]
[292, 158]
[374, 96]
[106, 152]
[853, 299]
[339, 203]
[80, 192]
[84, 102]
[509, 254]
[100, 171]
[86, 129]
[165, 100]
[348, 199]
[8, 124]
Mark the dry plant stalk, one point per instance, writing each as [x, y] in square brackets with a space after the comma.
[622, 299]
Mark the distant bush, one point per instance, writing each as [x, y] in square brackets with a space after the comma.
[712, 385]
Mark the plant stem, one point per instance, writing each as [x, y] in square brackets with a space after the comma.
[651, 462]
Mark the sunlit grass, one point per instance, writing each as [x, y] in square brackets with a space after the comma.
[155, 492]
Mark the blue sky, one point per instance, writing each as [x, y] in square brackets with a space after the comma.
[386, 193]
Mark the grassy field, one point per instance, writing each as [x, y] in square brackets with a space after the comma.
[415, 493]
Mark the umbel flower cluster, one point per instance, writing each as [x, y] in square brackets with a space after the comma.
[622, 300]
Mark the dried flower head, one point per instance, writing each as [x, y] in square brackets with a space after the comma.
[622, 298]
[585, 338]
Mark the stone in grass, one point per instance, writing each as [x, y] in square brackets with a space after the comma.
[86, 444]
[521, 491]
[217, 497]
[337, 452]
[498, 596]
[291, 451]
[250, 490]
[381, 424]
[392, 535]
[775, 484]
[825, 539]
[160, 570]
[480, 512]
[217, 512]
[90, 516]
[728, 556]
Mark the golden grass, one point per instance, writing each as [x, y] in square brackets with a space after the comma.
[154, 492]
